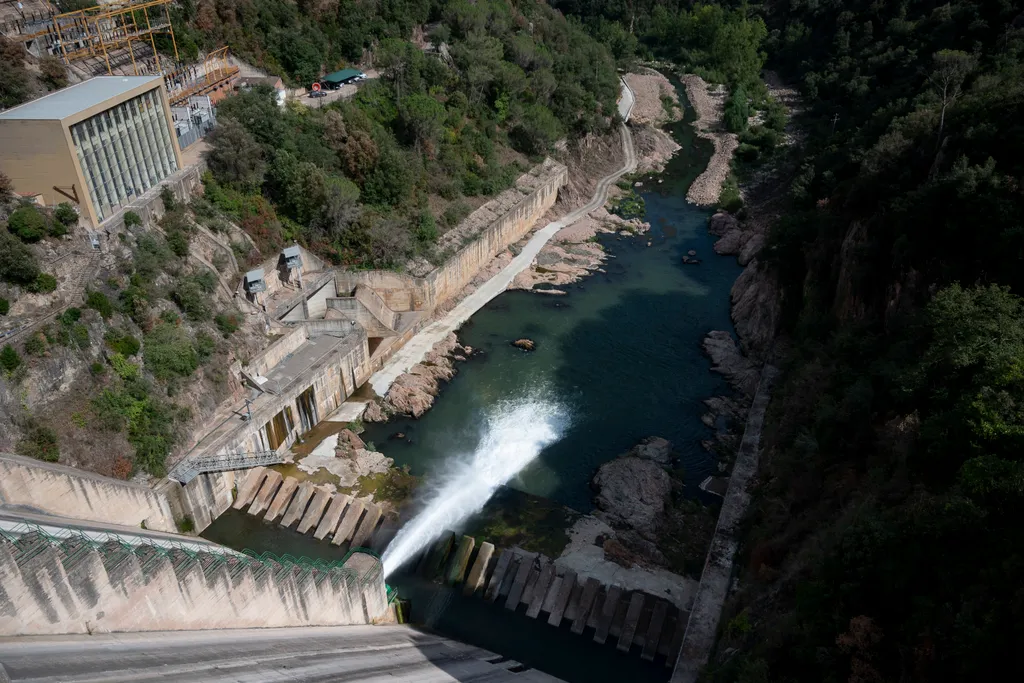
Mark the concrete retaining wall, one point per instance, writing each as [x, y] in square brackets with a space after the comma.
[68, 492]
[509, 222]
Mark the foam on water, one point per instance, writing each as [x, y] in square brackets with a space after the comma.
[513, 435]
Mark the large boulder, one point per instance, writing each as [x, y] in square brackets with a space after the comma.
[654, 448]
[727, 359]
[731, 243]
[721, 223]
[632, 493]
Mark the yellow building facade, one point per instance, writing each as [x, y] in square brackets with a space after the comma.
[100, 144]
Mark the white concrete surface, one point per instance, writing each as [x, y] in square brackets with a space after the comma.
[417, 348]
[348, 653]
[349, 411]
[588, 561]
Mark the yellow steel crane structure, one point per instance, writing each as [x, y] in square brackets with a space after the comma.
[96, 31]
[187, 81]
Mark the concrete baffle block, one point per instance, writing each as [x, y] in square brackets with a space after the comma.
[439, 554]
[540, 590]
[636, 606]
[498, 575]
[478, 573]
[590, 589]
[607, 613]
[247, 491]
[460, 561]
[515, 593]
[297, 508]
[348, 522]
[363, 533]
[333, 515]
[281, 500]
[653, 634]
[562, 599]
[321, 497]
[267, 492]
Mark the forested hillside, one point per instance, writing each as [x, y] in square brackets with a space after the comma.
[885, 542]
[375, 180]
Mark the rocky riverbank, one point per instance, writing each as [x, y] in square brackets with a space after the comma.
[709, 103]
[414, 392]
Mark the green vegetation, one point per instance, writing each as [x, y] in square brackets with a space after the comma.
[132, 219]
[5, 306]
[629, 206]
[18, 265]
[28, 223]
[227, 323]
[43, 284]
[396, 485]
[39, 441]
[353, 180]
[9, 359]
[122, 342]
[66, 214]
[99, 302]
[168, 352]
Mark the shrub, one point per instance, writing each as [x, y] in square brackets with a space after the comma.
[70, 316]
[80, 335]
[43, 284]
[66, 214]
[97, 368]
[454, 214]
[124, 368]
[39, 442]
[99, 302]
[737, 111]
[36, 345]
[17, 263]
[205, 346]
[730, 199]
[132, 219]
[5, 306]
[169, 353]
[227, 323]
[9, 359]
[426, 228]
[53, 72]
[167, 197]
[28, 224]
[122, 342]
[192, 299]
[178, 242]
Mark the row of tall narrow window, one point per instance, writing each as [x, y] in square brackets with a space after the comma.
[124, 151]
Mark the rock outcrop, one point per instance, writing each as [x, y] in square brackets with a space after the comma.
[413, 393]
[634, 489]
[727, 359]
[756, 308]
[525, 344]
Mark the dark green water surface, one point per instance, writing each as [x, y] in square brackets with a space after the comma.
[621, 350]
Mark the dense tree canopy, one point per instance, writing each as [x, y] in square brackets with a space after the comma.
[359, 180]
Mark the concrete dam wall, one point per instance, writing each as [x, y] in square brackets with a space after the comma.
[74, 493]
[68, 582]
[493, 227]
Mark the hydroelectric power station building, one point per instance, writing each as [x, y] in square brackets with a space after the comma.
[99, 144]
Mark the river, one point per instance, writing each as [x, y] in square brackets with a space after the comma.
[621, 350]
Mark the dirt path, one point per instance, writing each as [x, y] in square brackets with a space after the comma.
[421, 344]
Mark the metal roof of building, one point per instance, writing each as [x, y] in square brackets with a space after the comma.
[254, 275]
[71, 100]
[339, 76]
[291, 252]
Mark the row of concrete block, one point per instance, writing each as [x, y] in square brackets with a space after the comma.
[288, 501]
[531, 582]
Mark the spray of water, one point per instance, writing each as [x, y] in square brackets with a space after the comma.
[514, 434]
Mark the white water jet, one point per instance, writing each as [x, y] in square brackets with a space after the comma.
[514, 434]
